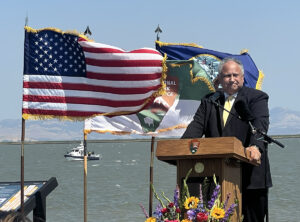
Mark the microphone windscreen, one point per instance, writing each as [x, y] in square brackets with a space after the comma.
[215, 96]
[243, 110]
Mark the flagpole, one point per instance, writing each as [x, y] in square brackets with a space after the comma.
[157, 31]
[87, 33]
[151, 176]
[22, 153]
[85, 179]
[22, 166]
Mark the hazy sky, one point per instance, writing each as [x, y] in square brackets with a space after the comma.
[268, 29]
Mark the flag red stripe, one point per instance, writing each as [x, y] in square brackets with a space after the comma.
[82, 100]
[102, 50]
[123, 63]
[86, 87]
[112, 50]
[145, 51]
[121, 77]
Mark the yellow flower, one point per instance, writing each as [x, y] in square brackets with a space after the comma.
[218, 213]
[151, 219]
[191, 202]
[186, 220]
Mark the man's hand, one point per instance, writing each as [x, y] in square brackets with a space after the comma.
[254, 153]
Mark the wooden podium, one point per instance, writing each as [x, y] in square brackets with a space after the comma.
[208, 156]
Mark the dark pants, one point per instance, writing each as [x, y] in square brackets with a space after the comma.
[255, 205]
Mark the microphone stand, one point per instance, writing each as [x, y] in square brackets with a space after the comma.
[254, 130]
[266, 138]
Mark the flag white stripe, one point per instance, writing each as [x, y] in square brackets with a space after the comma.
[94, 82]
[98, 45]
[86, 94]
[122, 56]
[88, 44]
[77, 107]
[124, 70]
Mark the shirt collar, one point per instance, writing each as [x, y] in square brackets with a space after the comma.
[233, 95]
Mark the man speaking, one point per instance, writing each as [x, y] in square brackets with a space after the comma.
[211, 120]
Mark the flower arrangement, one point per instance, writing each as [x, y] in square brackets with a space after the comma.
[186, 208]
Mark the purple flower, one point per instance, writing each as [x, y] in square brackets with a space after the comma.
[229, 212]
[226, 201]
[157, 213]
[176, 196]
[200, 194]
[191, 214]
[144, 210]
[201, 204]
[214, 197]
[201, 208]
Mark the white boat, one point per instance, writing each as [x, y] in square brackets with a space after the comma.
[77, 153]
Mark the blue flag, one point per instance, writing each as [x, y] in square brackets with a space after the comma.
[209, 60]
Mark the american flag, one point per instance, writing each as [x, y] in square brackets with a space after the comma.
[66, 76]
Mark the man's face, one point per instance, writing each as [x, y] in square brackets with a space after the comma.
[231, 77]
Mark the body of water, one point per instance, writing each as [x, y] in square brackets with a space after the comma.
[120, 180]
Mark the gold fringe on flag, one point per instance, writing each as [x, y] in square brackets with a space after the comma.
[184, 44]
[72, 32]
[45, 117]
[120, 133]
[88, 131]
[260, 80]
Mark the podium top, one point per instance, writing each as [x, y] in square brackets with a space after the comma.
[199, 148]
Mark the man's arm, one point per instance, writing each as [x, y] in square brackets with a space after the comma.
[259, 108]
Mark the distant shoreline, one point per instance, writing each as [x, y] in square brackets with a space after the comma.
[117, 140]
[79, 141]
[286, 136]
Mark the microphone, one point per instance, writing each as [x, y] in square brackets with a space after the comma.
[244, 112]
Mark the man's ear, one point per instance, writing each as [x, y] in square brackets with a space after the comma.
[216, 82]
